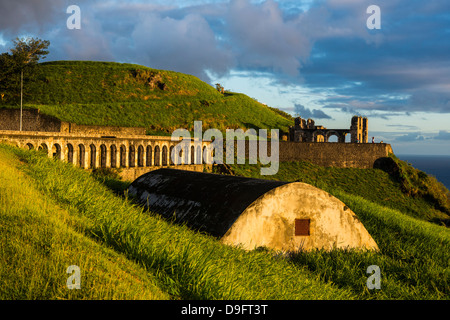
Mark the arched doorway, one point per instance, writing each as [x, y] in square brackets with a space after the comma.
[164, 156]
[82, 155]
[69, 153]
[157, 161]
[140, 156]
[103, 152]
[93, 156]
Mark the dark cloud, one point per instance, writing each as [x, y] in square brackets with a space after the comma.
[306, 113]
[407, 57]
[20, 16]
[322, 45]
[187, 45]
[34, 16]
[263, 39]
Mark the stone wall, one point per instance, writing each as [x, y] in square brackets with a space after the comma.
[341, 155]
[131, 174]
[32, 120]
[102, 130]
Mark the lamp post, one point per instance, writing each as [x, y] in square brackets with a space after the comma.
[21, 90]
[21, 98]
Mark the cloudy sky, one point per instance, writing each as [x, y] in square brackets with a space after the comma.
[314, 58]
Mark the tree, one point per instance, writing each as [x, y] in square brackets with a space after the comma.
[28, 51]
[7, 71]
[25, 54]
[220, 88]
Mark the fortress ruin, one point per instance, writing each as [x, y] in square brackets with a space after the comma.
[136, 153]
[307, 131]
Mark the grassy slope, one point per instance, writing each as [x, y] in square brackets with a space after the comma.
[100, 93]
[40, 240]
[183, 263]
[414, 253]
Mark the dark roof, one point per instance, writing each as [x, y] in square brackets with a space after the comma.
[203, 201]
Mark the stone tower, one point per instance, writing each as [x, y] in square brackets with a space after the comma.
[359, 130]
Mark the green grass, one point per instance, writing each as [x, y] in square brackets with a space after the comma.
[182, 263]
[40, 240]
[75, 215]
[414, 256]
[414, 253]
[106, 93]
[54, 215]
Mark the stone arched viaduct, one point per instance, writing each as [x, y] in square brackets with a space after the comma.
[127, 152]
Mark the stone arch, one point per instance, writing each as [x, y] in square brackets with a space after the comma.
[70, 152]
[198, 156]
[347, 138]
[103, 154]
[333, 136]
[123, 156]
[30, 146]
[318, 136]
[140, 156]
[113, 150]
[204, 154]
[184, 155]
[171, 162]
[81, 155]
[132, 156]
[43, 148]
[192, 155]
[92, 156]
[149, 156]
[157, 161]
[164, 156]
[56, 151]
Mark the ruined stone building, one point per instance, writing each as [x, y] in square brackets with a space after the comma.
[136, 153]
[92, 147]
[307, 131]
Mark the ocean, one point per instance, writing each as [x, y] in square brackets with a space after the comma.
[438, 166]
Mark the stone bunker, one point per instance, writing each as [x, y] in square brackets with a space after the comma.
[252, 212]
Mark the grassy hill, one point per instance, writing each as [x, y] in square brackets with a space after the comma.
[108, 93]
[398, 210]
[53, 215]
